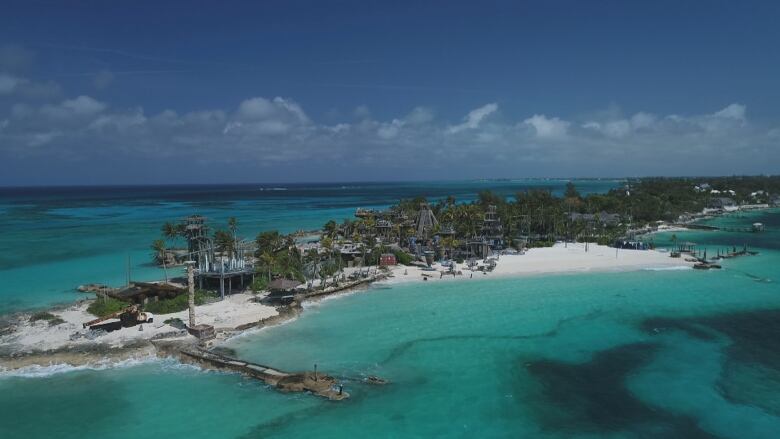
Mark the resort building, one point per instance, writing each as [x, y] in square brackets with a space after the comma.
[492, 230]
[602, 218]
[723, 203]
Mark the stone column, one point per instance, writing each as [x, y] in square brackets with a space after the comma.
[191, 291]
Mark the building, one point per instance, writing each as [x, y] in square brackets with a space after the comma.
[492, 230]
[384, 228]
[631, 245]
[603, 218]
[387, 259]
[282, 290]
[724, 203]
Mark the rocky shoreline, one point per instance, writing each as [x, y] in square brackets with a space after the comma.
[161, 345]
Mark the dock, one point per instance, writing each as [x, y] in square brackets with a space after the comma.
[317, 383]
[758, 227]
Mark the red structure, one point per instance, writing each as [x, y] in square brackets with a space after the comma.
[387, 259]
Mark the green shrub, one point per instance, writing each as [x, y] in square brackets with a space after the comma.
[103, 306]
[540, 244]
[178, 303]
[402, 257]
[605, 240]
[203, 297]
[167, 306]
[47, 316]
[260, 284]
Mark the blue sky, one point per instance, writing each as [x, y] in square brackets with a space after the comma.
[176, 92]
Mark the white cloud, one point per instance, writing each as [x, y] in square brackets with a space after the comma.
[474, 118]
[617, 128]
[83, 105]
[733, 111]
[256, 108]
[279, 108]
[24, 88]
[420, 115]
[643, 120]
[276, 134]
[7, 84]
[547, 128]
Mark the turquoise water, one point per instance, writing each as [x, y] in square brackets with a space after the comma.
[669, 353]
[54, 239]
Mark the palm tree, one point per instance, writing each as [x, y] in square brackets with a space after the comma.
[171, 231]
[267, 262]
[311, 265]
[225, 242]
[269, 241]
[330, 229]
[158, 246]
[160, 254]
[448, 242]
[233, 226]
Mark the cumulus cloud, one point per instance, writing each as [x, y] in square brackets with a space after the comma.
[274, 134]
[7, 84]
[547, 127]
[733, 111]
[474, 118]
[27, 89]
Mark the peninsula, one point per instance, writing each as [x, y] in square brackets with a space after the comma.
[237, 284]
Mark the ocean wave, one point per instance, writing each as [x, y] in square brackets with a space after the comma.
[254, 331]
[675, 268]
[273, 189]
[39, 371]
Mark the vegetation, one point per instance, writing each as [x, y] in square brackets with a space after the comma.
[532, 218]
[48, 317]
[260, 284]
[178, 303]
[105, 305]
[402, 257]
[158, 251]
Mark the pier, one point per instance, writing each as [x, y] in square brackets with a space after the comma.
[314, 382]
[757, 227]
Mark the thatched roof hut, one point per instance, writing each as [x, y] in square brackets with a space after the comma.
[283, 285]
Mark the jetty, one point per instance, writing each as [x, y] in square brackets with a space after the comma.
[310, 381]
[754, 228]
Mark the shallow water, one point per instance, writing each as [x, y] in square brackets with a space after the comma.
[670, 353]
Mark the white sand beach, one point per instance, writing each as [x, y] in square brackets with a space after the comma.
[561, 258]
[242, 309]
[236, 310]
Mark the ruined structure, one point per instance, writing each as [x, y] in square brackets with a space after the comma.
[210, 264]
